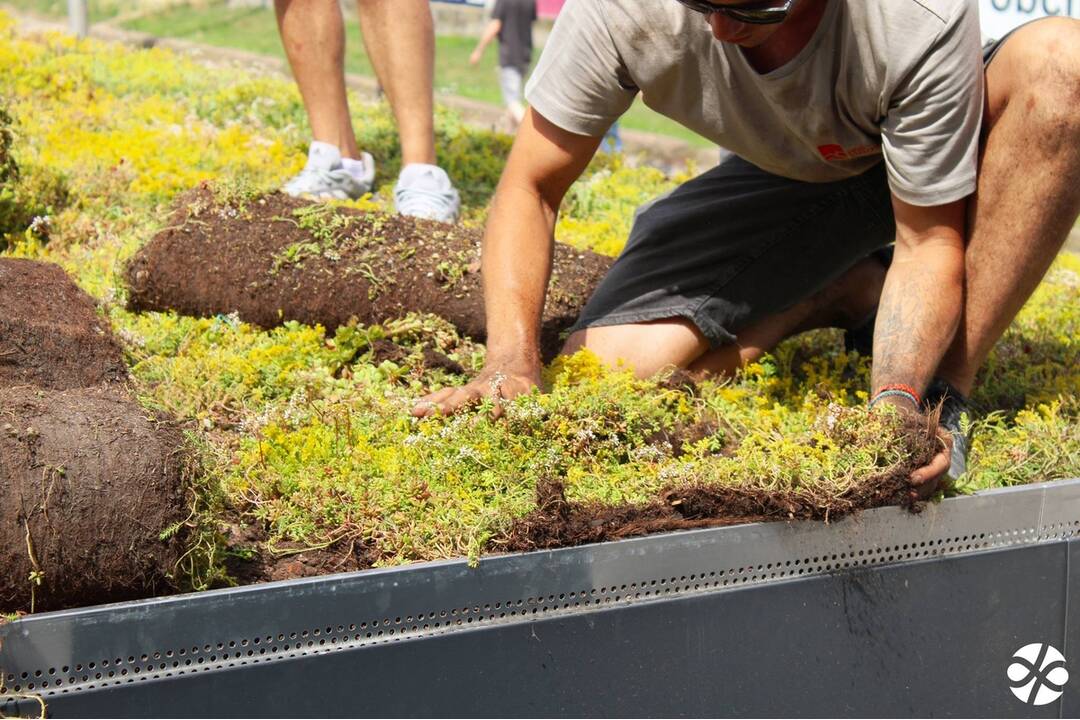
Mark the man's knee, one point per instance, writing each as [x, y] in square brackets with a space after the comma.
[1038, 71]
[646, 347]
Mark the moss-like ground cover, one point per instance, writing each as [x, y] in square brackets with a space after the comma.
[305, 435]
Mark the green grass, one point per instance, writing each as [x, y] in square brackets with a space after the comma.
[255, 30]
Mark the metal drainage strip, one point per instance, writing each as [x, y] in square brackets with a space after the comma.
[80, 650]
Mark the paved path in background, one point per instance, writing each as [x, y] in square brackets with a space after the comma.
[661, 151]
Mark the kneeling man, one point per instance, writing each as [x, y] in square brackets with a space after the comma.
[887, 174]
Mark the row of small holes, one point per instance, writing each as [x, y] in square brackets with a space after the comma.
[444, 619]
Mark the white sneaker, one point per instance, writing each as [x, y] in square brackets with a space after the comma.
[329, 177]
[425, 191]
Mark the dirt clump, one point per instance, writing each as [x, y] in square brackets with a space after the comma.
[89, 481]
[275, 258]
[88, 484]
[558, 522]
[51, 335]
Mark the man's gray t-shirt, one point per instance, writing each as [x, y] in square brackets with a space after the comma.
[901, 79]
[515, 37]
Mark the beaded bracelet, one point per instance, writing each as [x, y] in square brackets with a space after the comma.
[895, 392]
[905, 388]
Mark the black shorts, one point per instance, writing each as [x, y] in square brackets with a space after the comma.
[737, 244]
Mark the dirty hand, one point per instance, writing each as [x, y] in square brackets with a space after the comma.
[925, 480]
[498, 381]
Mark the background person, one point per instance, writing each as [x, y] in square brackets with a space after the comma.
[512, 23]
[399, 36]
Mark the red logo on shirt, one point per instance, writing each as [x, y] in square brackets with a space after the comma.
[835, 153]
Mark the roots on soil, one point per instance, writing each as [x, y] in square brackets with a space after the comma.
[88, 483]
[87, 486]
[558, 522]
[277, 258]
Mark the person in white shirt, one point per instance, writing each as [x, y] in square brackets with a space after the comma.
[886, 171]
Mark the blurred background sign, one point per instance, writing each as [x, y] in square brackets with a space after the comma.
[549, 8]
[1000, 16]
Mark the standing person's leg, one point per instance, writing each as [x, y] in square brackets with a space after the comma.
[313, 34]
[399, 36]
[1028, 192]
[400, 39]
[511, 80]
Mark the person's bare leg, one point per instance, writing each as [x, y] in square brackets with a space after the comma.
[1028, 192]
[676, 342]
[400, 39]
[313, 34]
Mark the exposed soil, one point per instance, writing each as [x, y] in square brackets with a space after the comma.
[51, 335]
[264, 566]
[683, 434]
[278, 258]
[87, 485]
[557, 522]
[251, 561]
[384, 349]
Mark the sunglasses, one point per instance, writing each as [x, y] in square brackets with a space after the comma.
[755, 13]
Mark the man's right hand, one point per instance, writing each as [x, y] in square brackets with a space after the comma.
[518, 242]
[498, 381]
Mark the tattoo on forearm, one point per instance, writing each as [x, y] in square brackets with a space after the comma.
[916, 319]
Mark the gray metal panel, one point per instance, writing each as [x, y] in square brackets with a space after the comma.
[1070, 703]
[160, 648]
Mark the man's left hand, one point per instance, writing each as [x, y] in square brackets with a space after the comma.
[926, 480]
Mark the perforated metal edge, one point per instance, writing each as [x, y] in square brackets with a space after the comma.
[73, 651]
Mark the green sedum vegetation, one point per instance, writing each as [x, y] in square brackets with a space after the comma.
[306, 435]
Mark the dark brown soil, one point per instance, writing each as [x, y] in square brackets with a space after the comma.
[266, 567]
[557, 522]
[249, 559]
[683, 434]
[383, 350]
[87, 485]
[270, 263]
[51, 335]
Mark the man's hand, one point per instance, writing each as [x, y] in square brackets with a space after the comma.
[518, 242]
[919, 312]
[926, 480]
[491, 31]
[498, 381]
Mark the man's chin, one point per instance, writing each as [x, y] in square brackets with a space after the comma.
[744, 37]
[744, 42]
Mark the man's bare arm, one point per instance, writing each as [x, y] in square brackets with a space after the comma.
[543, 163]
[491, 31]
[920, 303]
